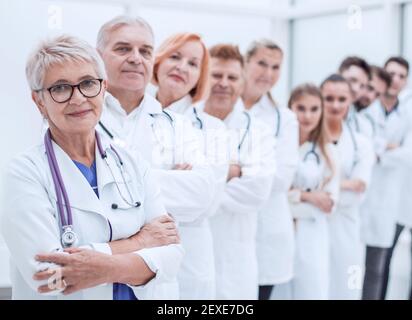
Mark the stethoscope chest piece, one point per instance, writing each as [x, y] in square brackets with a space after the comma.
[68, 237]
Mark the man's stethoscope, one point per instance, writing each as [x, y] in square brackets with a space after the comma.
[198, 120]
[153, 115]
[68, 236]
[246, 130]
[278, 119]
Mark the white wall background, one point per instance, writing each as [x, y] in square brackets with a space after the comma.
[321, 43]
[406, 35]
[315, 34]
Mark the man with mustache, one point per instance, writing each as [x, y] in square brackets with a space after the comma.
[251, 146]
[378, 85]
[165, 139]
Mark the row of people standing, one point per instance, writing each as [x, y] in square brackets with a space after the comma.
[262, 194]
[382, 113]
[333, 217]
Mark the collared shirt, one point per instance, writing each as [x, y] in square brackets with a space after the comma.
[395, 108]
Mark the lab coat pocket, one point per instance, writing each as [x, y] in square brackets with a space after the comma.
[125, 208]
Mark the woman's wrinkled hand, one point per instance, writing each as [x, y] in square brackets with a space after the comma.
[161, 231]
[80, 269]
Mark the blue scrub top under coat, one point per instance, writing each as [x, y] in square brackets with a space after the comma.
[120, 291]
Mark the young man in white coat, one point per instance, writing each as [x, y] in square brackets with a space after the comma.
[275, 236]
[378, 85]
[136, 120]
[357, 72]
[383, 200]
[398, 69]
[251, 147]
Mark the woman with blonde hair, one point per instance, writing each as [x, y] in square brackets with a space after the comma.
[275, 246]
[357, 158]
[181, 73]
[313, 195]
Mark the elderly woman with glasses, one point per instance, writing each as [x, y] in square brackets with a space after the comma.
[75, 207]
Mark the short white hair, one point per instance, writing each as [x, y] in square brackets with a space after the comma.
[59, 50]
[118, 22]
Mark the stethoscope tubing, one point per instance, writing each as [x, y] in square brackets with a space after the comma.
[58, 182]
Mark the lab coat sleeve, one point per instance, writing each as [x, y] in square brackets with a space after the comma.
[287, 155]
[366, 124]
[304, 210]
[186, 193]
[249, 192]
[401, 155]
[215, 147]
[299, 209]
[164, 261]
[29, 223]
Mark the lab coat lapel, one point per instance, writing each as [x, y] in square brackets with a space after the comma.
[108, 173]
[144, 130]
[345, 147]
[79, 191]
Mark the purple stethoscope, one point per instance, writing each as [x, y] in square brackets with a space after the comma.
[68, 236]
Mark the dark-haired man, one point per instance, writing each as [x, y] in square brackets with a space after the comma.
[383, 202]
[378, 85]
[358, 73]
[398, 68]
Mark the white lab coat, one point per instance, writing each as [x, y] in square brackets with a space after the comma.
[382, 204]
[357, 158]
[187, 194]
[275, 235]
[234, 225]
[360, 122]
[30, 220]
[197, 275]
[311, 276]
[405, 213]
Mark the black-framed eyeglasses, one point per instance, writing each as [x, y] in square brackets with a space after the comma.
[61, 93]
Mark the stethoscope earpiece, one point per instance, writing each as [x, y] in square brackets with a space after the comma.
[115, 206]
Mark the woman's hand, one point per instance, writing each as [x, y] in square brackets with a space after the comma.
[80, 269]
[183, 166]
[235, 171]
[320, 199]
[392, 146]
[161, 231]
[355, 185]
